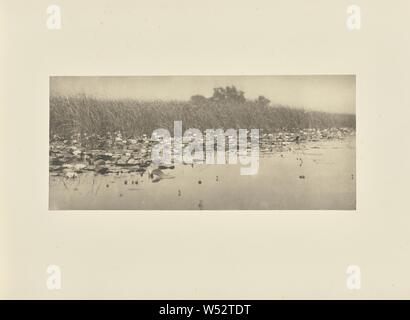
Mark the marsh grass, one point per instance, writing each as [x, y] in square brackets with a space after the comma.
[83, 114]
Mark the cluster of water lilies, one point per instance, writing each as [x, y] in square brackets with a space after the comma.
[283, 139]
[102, 154]
[114, 153]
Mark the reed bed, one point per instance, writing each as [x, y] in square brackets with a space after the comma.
[83, 114]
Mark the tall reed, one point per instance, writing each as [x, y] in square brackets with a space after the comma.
[84, 114]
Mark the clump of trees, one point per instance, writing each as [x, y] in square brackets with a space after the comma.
[226, 108]
[227, 95]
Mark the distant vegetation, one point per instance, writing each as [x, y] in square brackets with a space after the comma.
[226, 108]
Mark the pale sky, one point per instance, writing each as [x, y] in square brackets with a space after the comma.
[331, 93]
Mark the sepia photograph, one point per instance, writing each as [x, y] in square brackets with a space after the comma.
[204, 158]
[202, 142]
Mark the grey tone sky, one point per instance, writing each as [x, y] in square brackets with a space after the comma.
[331, 93]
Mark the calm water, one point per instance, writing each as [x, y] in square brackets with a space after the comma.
[315, 175]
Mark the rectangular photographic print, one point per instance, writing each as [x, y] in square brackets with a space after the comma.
[202, 142]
